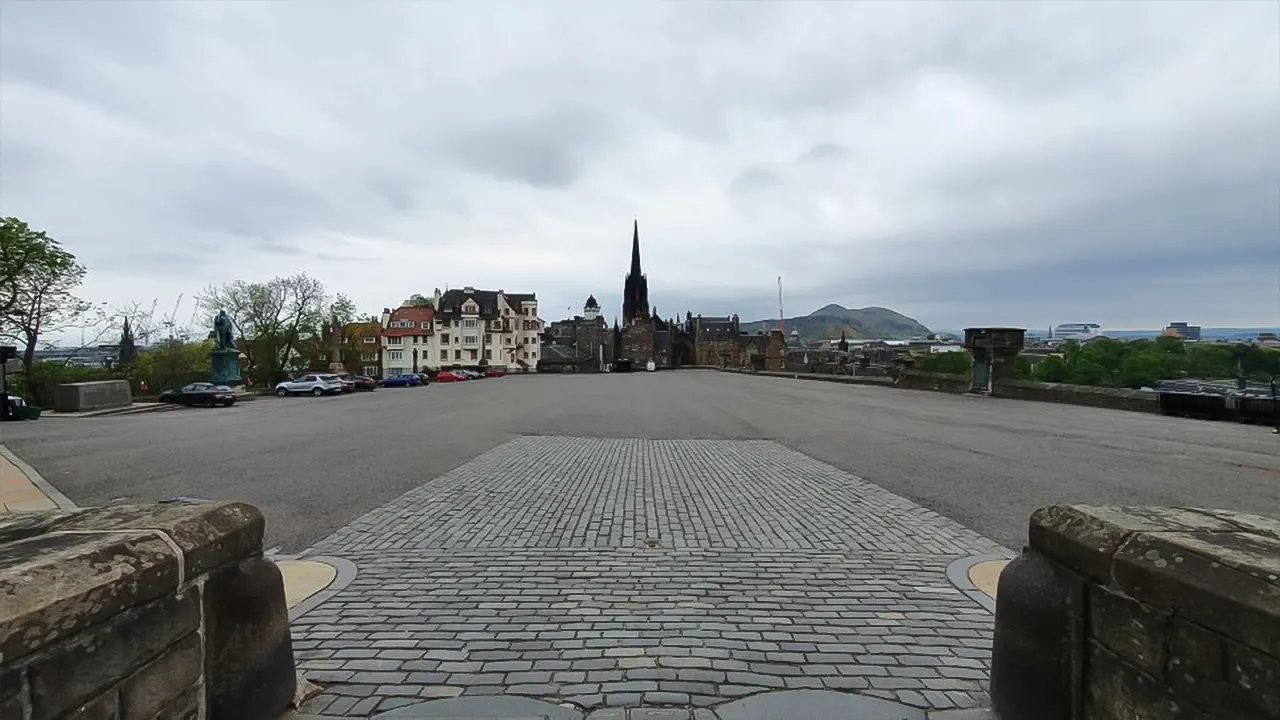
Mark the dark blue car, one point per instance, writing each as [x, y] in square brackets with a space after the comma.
[401, 381]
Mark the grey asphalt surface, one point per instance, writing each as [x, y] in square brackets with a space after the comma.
[314, 464]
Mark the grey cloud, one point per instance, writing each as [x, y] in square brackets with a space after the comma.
[960, 160]
[754, 178]
[548, 149]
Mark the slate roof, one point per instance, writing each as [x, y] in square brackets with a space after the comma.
[452, 301]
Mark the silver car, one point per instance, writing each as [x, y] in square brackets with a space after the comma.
[311, 384]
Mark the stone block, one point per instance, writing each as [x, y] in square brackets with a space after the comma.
[1117, 691]
[162, 680]
[1254, 680]
[11, 695]
[104, 707]
[95, 661]
[1037, 662]
[1084, 537]
[97, 395]
[210, 534]
[56, 584]
[1219, 580]
[185, 707]
[249, 671]
[1128, 628]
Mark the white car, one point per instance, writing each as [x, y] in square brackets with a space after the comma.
[314, 384]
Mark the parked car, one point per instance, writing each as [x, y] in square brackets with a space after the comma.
[313, 384]
[406, 380]
[204, 394]
[448, 376]
[348, 382]
[495, 372]
[425, 378]
[364, 382]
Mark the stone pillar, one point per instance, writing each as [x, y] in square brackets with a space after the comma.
[144, 611]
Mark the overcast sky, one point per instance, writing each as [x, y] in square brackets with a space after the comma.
[959, 162]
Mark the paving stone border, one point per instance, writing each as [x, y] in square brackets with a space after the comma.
[958, 574]
[346, 572]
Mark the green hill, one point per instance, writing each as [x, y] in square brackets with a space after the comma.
[829, 321]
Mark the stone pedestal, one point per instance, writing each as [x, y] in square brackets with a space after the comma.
[226, 367]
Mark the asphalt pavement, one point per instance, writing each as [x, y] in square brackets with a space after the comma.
[315, 464]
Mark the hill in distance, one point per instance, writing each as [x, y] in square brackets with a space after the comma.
[830, 320]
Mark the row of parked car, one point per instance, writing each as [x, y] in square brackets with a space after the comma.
[335, 383]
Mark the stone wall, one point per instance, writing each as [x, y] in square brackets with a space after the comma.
[1117, 398]
[98, 395]
[637, 343]
[142, 611]
[938, 382]
[1134, 613]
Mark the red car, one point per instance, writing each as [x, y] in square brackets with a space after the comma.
[495, 372]
[445, 376]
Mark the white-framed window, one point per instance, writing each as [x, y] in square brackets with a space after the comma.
[369, 340]
[488, 338]
[444, 354]
[395, 354]
[426, 324]
[473, 354]
[488, 354]
[470, 339]
[369, 357]
[457, 354]
[392, 372]
[469, 323]
[371, 370]
[394, 340]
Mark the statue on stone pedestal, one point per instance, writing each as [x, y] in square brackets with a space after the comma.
[223, 337]
[225, 356]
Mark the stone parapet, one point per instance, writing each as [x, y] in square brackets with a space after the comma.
[142, 611]
[1114, 613]
[97, 395]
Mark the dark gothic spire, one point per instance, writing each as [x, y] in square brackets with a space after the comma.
[635, 294]
[635, 248]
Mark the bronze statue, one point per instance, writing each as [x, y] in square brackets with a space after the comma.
[223, 338]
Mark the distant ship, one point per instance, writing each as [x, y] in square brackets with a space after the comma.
[1075, 331]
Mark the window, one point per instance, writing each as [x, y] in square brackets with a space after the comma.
[370, 340]
[470, 339]
[394, 340]
[444, 338]
[488, 339]
[371, 370]
[322, 356]
[510, 340]
[488, 354]
[469, 323]
[457, 354]
[444, 354]
[473, 354]
[525, 354]
[369, 357]
[395, 354]
[426, 324]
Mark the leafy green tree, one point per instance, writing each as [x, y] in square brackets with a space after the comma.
[956, 363]
[272, 318]
[128, 346]
[1022, 369]
[1052, 369]
[37, 282]
[418, 300]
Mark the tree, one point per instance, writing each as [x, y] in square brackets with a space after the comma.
[418, 300]
[271, 318]
[37, 280]
[128, 348]
[1052, 369]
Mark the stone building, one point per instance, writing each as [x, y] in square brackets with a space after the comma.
[583, 343]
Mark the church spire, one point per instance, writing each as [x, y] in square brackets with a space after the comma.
[635, 248]
[635, 294]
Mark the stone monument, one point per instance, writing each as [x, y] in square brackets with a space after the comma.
[225, 354]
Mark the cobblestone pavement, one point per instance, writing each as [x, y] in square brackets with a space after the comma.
[626, 573]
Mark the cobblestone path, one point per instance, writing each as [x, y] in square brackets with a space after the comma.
[628, 573]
